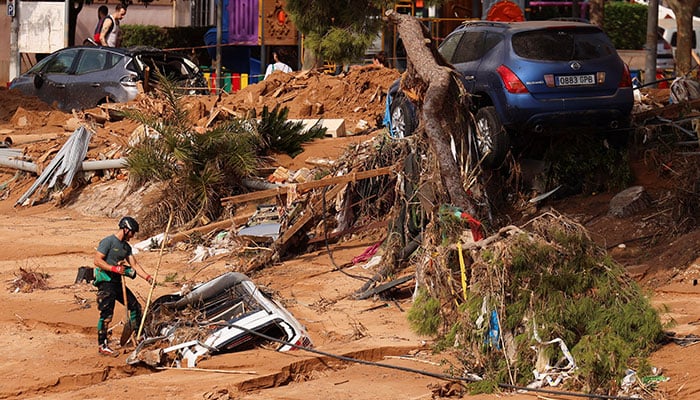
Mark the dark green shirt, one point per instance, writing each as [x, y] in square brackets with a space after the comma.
[115, 250]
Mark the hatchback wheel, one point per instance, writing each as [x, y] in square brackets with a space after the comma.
[492, 138]
[402, 118]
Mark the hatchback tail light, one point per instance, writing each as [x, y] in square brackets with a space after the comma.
[511, 81]
[303, 342]
[129, 80]
[626, 80]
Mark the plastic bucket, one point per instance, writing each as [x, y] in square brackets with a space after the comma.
[226, 84]
[236, 82]
[244, 81]
[207, 78]
[212, 83]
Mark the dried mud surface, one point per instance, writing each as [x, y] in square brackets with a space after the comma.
[48, 336]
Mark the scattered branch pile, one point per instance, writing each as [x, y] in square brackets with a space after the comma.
[538, 305]
[27, 281]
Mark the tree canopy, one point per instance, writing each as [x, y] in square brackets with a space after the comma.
[340, 31]
[337, 31]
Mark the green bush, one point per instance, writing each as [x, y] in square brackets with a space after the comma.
[424, 316]
[626, 24]
[146, 35]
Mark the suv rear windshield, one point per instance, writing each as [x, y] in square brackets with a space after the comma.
[562, 44]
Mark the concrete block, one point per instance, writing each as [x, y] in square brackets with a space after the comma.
[334, 127]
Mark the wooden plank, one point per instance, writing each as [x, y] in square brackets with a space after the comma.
[260, 194]
[670, 111]
[301, 187]
[203, 230]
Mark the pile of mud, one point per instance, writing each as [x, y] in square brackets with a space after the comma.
[358, 97]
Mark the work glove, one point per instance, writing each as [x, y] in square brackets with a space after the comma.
[118, 269]
[124, 270]
[130, 272]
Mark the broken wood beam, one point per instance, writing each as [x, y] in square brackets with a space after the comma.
[280, 245]
[670, 111]
[308, 216]
[301, 187]
[335, 235]
[225, 224]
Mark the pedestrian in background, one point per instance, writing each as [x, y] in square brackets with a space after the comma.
[111, 34]
[278, 65]
[101, 15]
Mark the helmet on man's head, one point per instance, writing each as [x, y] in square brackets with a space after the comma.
[129, 223]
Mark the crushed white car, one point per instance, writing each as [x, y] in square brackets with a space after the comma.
[229, 313]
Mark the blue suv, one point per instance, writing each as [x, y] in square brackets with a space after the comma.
[529, 78]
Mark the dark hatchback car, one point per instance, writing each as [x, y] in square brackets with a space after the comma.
[87, 76]
[530, 77]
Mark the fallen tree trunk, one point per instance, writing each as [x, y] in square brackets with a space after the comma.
[442, 102]
[442, 111]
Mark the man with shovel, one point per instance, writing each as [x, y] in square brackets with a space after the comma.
[113, 260]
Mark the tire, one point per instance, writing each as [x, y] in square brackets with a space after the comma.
[403, 120]
[491, 136]
[618, 138]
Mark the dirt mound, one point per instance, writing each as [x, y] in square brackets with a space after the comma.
[359, 95]
[40, 130]
[11, 100]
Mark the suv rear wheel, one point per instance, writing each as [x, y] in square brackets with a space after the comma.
[402, 119]
[491, 136]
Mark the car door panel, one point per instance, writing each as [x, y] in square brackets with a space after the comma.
[55, 78]
[89, 79]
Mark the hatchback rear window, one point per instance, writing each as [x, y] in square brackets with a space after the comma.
[562, 44]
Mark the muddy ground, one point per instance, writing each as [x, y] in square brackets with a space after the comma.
[48, 335]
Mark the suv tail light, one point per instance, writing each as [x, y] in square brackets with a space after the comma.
[626, 80]
[511, 81]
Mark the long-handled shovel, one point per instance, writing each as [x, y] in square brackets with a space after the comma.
[155, 277]
[128, 329]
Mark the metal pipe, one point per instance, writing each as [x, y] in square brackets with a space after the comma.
[18, 164]
[85, 166]
[258, 184]
[103, 164]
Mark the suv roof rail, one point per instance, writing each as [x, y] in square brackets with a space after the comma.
[570, 19]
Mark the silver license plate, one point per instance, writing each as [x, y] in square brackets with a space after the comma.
[575, 80]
